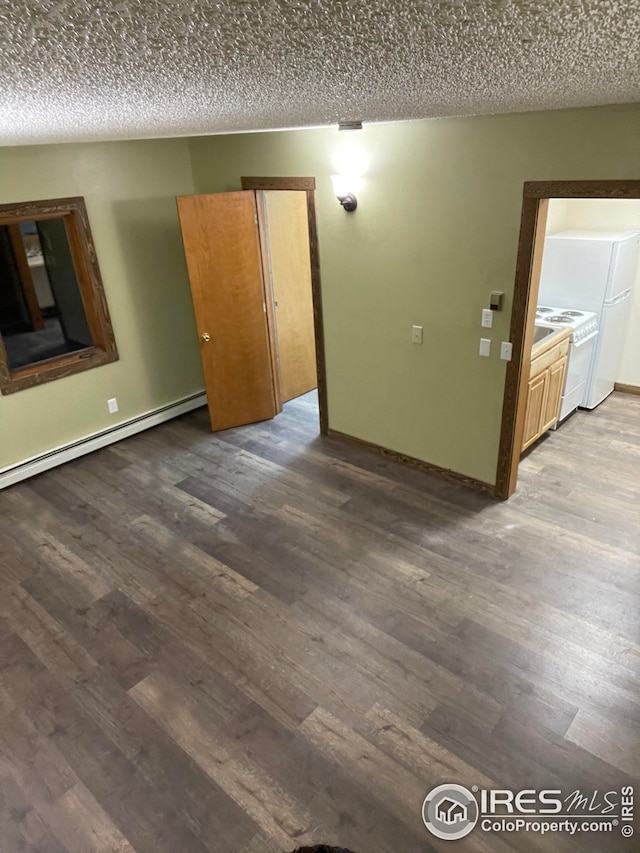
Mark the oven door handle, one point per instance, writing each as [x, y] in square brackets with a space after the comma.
[586, 340]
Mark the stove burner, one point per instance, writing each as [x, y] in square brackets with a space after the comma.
[573, 313]
[559, 319]
[542, 310]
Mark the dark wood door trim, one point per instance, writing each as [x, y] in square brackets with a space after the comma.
[523, 310]
[307, 185]
[582, 189]
[532, 226]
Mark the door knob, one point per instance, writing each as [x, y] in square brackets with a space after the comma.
[205, 337]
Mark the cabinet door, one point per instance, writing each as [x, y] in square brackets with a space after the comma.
[557, 372]
[536, 401]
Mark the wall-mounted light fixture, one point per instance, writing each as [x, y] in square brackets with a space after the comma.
[345, 191]
[350, 162]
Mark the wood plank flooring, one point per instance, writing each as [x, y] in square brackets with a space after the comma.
[260, 639]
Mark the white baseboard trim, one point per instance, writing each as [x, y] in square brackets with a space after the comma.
[60, 455]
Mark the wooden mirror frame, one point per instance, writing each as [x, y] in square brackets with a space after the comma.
[104, 351]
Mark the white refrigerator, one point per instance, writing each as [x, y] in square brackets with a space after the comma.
[593, 271]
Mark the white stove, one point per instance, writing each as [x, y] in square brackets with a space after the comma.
[582, 323]
[584, 332]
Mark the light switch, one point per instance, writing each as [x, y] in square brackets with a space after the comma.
[487, 318]
[506, 350]
[485, 347]
[113, 405]
[416, 334]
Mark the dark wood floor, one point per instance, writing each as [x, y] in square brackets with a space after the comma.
[245, 642]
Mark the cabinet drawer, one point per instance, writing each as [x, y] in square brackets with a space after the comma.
[547, 358]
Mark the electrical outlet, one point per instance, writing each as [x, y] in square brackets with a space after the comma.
[506, 350]
[487, 318]
[485, 347]
[113, 405]
[416, 334]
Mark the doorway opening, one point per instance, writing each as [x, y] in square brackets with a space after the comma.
[253, 264]
[286, 209]
[538, 375]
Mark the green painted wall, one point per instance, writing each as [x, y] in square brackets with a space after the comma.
[130, 190]
[435, 231]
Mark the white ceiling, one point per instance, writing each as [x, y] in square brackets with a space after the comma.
[108, 69]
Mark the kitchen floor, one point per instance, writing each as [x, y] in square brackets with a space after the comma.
[254, 640]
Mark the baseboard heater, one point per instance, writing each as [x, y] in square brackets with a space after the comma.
[36, 465]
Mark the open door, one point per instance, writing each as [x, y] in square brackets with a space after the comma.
[290, 268]
[222, 249]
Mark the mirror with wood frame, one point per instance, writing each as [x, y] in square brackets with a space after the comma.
[54, 319]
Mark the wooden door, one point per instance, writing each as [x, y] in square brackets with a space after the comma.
[290, 264]
[220, 236]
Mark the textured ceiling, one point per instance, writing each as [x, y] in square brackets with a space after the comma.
[108, 69]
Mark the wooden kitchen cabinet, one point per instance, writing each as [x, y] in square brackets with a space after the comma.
[555, 376]
[535, 406]
[546, 383]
